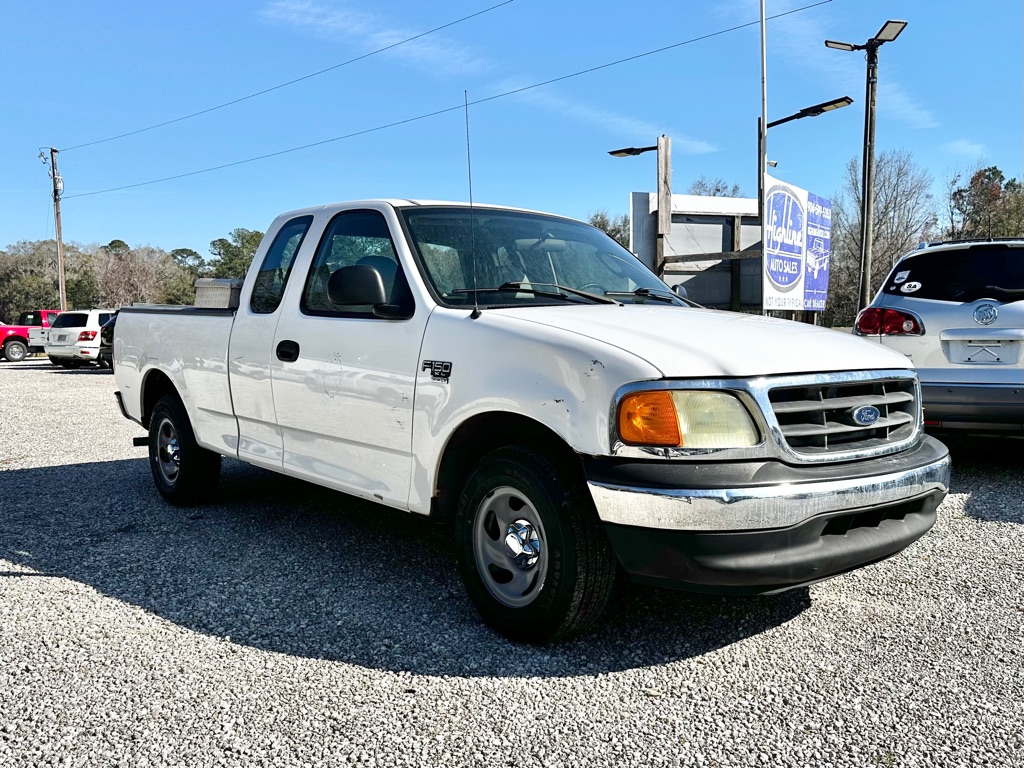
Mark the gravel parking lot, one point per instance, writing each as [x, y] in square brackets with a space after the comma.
[290, 626]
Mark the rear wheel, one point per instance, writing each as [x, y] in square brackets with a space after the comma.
[185, 473]
[535, 561]
[15, 350]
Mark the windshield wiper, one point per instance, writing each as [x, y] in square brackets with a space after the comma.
[562, 291]
[648, 293]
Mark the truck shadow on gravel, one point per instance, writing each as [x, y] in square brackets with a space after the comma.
[291, 568]
[994, 468]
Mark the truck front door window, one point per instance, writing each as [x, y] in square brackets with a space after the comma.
[353, 237]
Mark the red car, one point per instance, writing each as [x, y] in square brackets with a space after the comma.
[14, 341]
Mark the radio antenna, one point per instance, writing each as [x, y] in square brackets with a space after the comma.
[472, 217]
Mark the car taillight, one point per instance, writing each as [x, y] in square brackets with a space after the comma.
[87, 335]
[876, 321]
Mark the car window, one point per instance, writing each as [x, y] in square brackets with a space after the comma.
[963, 275]
[28, 318]
[354, 238]
[277, 266]
[71, 320]
[104, 316]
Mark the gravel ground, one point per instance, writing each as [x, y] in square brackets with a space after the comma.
[289, 626]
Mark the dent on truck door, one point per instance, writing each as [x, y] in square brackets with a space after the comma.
[343, 377]
[259, 437]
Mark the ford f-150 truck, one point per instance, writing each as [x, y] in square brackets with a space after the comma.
[527, 381]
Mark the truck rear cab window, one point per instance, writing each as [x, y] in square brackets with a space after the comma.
[277, 266]
[354, 238]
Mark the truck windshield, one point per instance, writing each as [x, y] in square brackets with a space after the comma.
[525, 259]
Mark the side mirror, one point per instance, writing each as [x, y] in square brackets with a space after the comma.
[356, 285]
[680, 291]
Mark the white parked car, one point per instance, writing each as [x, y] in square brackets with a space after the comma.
[74, 337]
[956, 310]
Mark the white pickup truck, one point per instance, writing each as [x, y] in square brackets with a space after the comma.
[523, 379]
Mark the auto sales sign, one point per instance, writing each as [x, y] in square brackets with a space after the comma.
[796, 237]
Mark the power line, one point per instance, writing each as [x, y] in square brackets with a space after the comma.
[290, 82]
[450, 109]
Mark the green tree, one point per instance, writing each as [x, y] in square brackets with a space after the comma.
[986, 205]
[232, 257]
[616, 227]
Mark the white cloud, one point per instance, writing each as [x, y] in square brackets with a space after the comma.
[964, 148]
[613, 122]
[367, 33]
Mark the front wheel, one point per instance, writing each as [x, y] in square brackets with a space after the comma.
[185, 473]
[15, 351]
[534, 559]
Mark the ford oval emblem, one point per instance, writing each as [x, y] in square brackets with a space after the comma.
[866, 415]
[986, 314]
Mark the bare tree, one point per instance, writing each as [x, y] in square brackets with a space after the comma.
[716, 187]
[126, 275]
[904, 215]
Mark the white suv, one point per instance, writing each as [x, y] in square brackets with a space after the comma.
[74, 337]
[956, 310]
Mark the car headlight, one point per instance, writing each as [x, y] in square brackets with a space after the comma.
[685, 419]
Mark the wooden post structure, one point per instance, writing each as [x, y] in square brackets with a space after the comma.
[664, 200]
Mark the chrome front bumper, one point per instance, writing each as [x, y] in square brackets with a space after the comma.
[777, 505]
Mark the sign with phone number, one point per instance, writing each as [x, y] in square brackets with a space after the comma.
[796, 239]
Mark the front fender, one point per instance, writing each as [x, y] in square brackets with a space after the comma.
[498, 364]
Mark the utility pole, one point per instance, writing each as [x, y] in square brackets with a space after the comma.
[58, 190]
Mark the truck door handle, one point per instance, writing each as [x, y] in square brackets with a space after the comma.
[288, 351]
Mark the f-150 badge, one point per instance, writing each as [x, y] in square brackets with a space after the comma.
[440, 370]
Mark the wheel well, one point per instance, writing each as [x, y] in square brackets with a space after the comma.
[14, 337]
[479, 436]
[154, 386]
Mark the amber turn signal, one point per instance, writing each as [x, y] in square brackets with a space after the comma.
[649, 418]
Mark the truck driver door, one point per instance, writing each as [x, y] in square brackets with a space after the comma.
[343, 377]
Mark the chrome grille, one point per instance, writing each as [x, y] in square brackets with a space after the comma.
[817, 419]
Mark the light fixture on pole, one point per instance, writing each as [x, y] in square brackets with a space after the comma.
[889, 32]
[817, 109]
[664, 150]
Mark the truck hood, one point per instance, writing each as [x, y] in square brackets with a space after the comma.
[688, 342]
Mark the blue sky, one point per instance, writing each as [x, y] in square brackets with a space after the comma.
[950, 91]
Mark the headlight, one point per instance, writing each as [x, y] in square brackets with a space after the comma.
[685, 419]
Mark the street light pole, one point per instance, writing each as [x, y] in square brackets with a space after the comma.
[867, 192]
[889, 32]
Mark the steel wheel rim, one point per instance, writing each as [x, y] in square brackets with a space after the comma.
[510, 547]
[168, 451]
[16, 353]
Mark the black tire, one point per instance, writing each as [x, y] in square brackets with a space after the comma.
[574, 566]
[185, 473]
[15, 350]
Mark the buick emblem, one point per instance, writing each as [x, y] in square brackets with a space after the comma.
[986, 314]
[866, 415]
